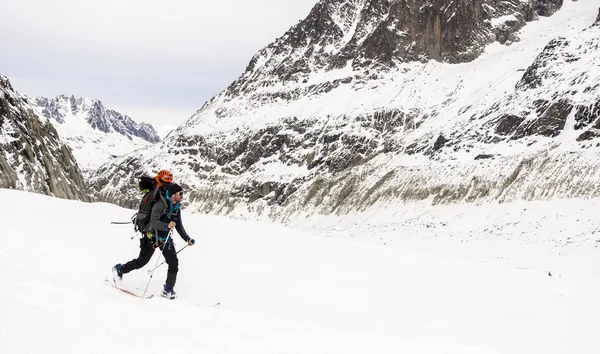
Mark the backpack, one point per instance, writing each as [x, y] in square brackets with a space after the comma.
[152, 193]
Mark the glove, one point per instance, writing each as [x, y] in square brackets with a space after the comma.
[191, 241]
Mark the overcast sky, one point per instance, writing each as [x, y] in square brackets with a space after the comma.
[156, 61]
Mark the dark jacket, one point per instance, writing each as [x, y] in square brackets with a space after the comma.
[164, 212]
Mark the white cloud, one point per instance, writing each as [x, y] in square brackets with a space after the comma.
[143, 54]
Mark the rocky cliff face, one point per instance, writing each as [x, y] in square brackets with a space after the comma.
[32, 156]
[385, 33]
[299, 134]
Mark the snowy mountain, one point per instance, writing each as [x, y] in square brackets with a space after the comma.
[95, 133]
[374, 101]
[32, 156]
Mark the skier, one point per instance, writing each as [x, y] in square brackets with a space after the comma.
[165, 216]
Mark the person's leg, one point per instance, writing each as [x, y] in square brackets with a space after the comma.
[146, 251]
[173, 262]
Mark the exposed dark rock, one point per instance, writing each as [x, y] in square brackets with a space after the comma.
[508, 124]
[507, 32]
[586, 115]
[551, 121]
[538, 70]
[535, 72]
[257, 190]
[439, 142]
[588, 135]
[542, 8]
[32, 157]
[484, 156]
[386, 121]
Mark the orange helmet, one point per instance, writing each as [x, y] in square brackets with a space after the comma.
[163, 176]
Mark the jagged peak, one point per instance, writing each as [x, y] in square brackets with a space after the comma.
[383, 34]
[97, 115]
[5, 82]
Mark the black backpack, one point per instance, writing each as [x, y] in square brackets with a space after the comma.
[152, 192]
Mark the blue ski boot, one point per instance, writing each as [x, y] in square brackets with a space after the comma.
[168, 292]
[117, 274]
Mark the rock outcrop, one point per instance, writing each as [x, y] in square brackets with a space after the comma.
[32, 156]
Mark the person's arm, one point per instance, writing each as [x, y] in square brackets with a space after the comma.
[155, 223]
[180, 229]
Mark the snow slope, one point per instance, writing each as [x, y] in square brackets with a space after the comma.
[281, 291]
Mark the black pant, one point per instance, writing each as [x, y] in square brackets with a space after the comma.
[146, 252]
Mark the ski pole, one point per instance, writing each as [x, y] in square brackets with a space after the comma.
[158, 259]
[124, 223]
[152, 270]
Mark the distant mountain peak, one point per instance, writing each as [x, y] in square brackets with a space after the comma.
[5, 83]
[96, 115]
[96, 133]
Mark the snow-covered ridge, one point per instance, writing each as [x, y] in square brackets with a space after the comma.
[95, 133]
[350, 137]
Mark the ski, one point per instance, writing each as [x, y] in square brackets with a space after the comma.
[127, 291]
[133, 294]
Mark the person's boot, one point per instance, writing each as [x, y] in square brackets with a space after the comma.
[117, 274]
[168, 292]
